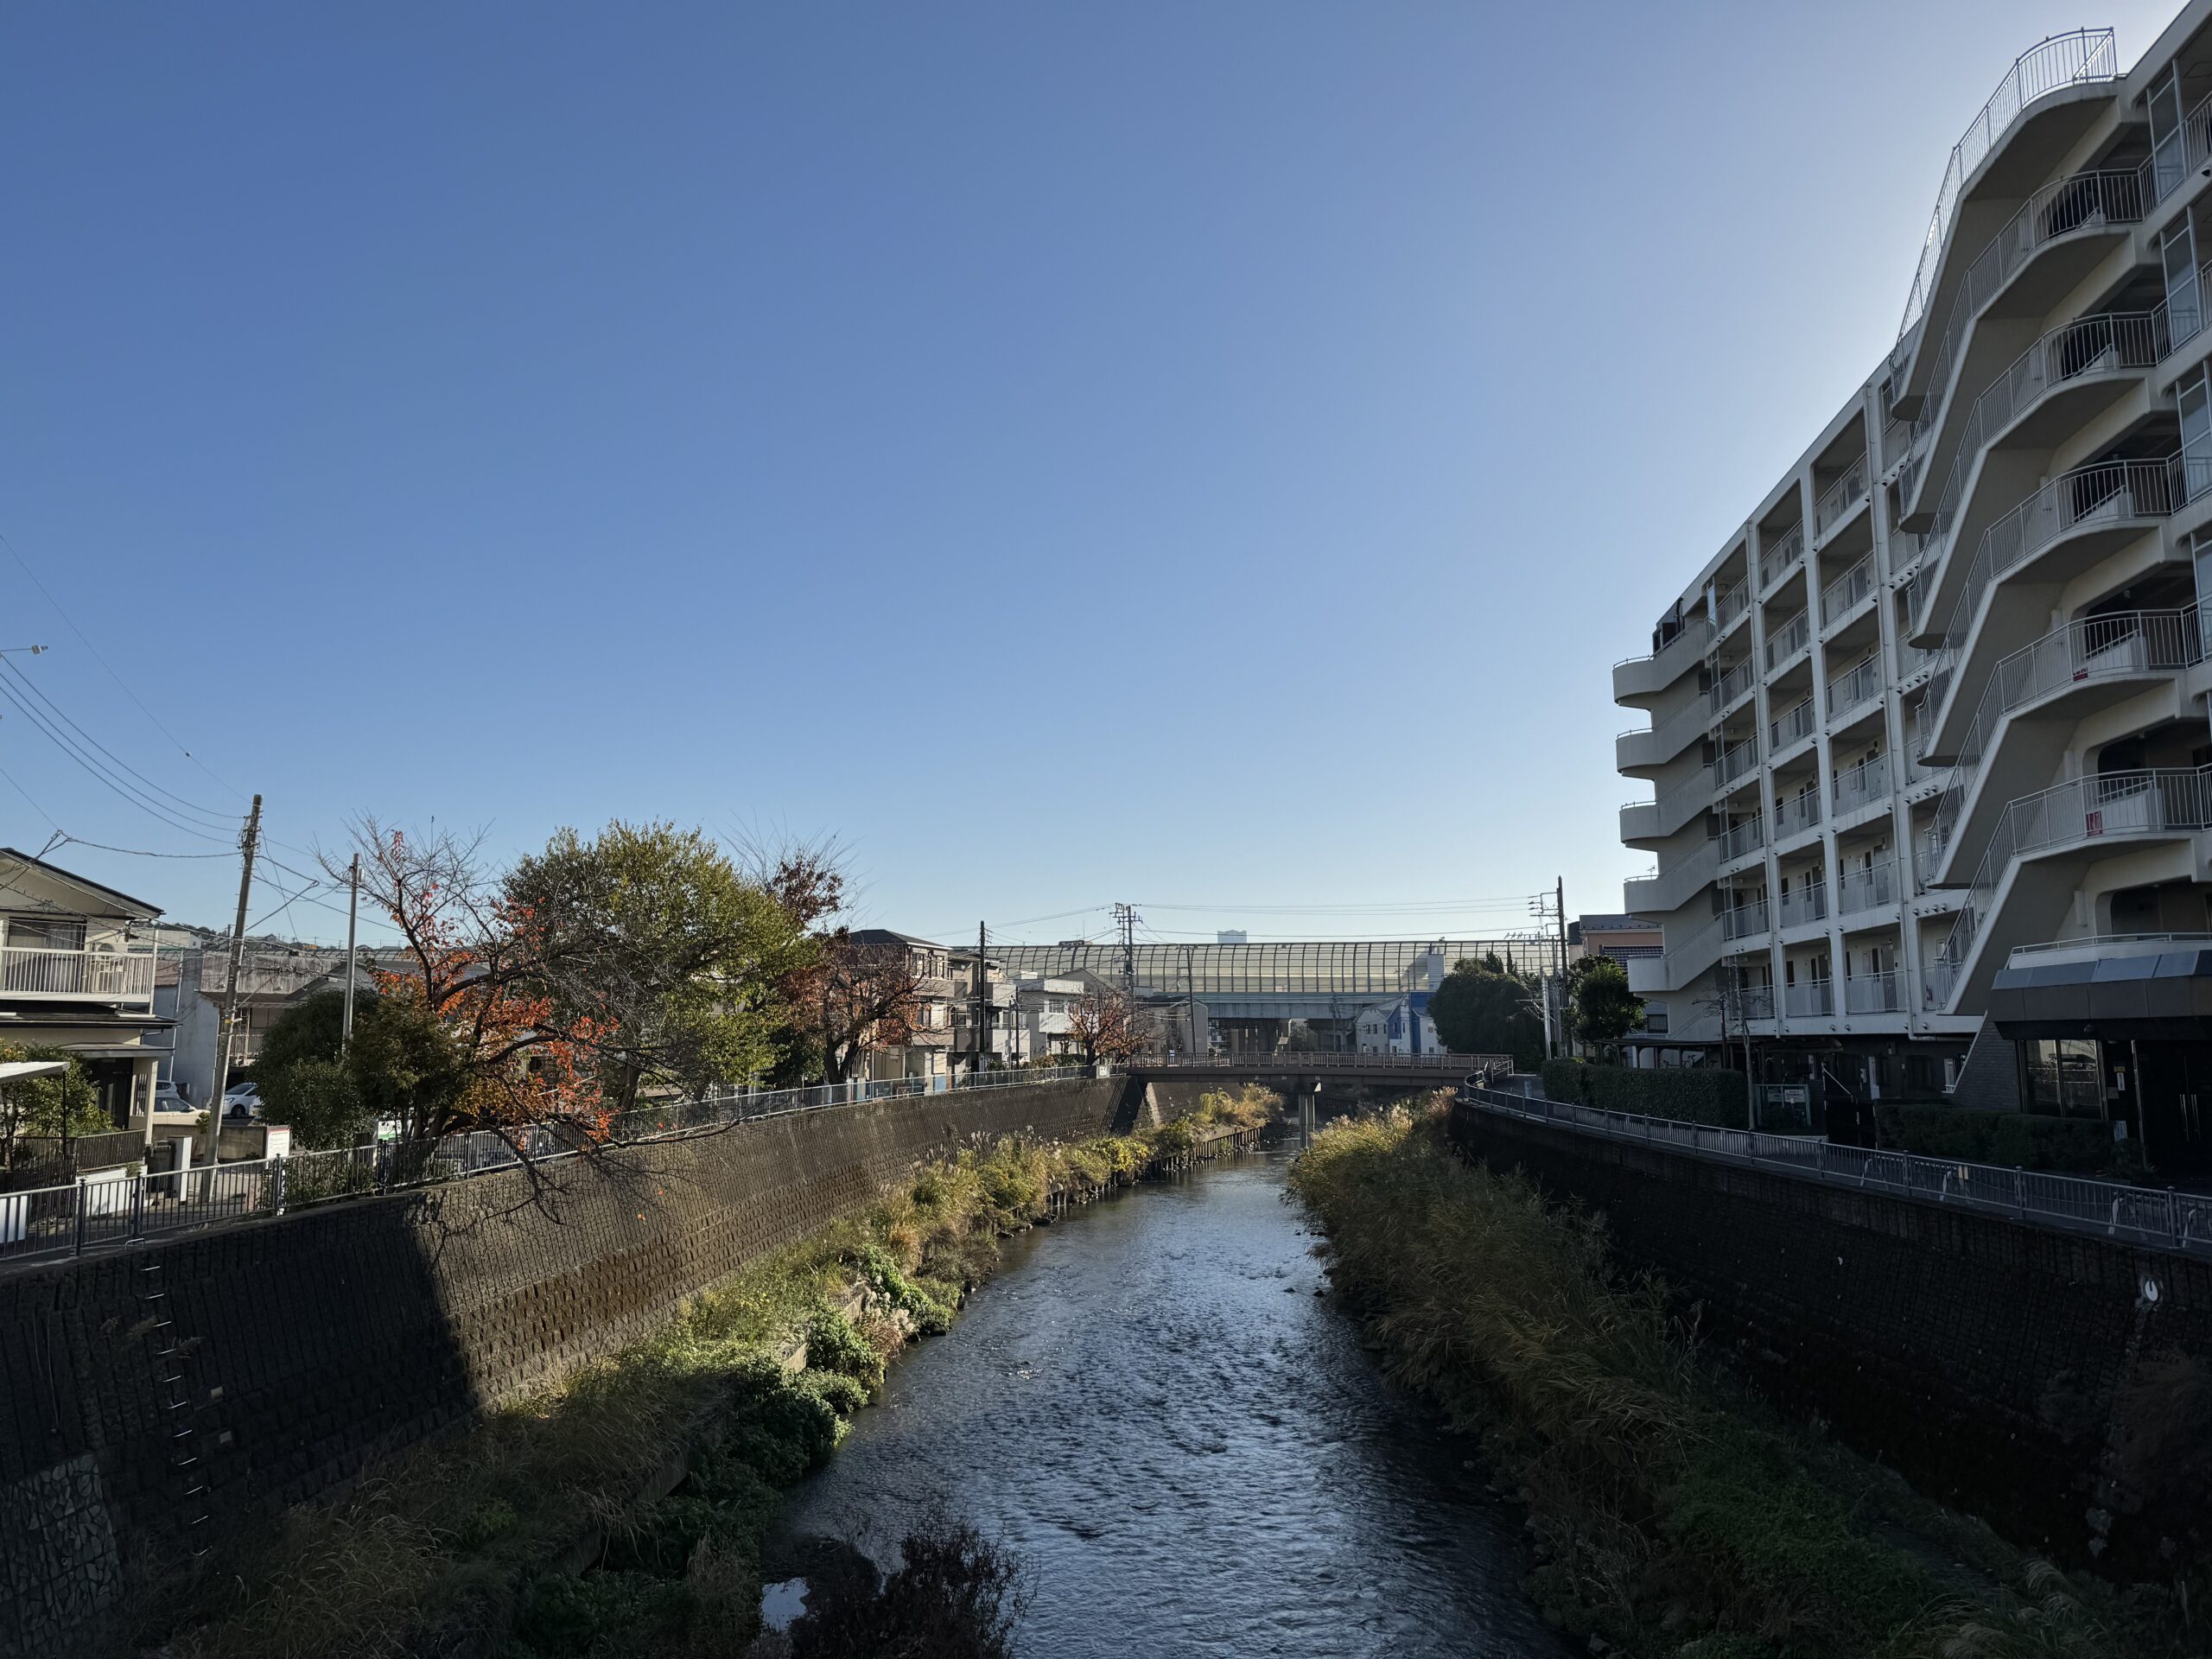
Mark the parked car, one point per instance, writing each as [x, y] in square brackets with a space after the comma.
[168, 1098]
[243, 1101]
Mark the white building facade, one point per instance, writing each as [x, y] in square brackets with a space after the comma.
[1929, 763]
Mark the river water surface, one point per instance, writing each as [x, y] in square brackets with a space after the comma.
[1188, 1445]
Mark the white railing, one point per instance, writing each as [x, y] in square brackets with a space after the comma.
[1736, 762]
[2166, 801]
[1748, 836]
[1809, 999]
[2157, 1220]
[1837, 500]
[1778, 561]
[1732, 603]
[1852, 588]
[2110, 492]
[2182, 152]
[1788, 640]
[2093, 648]
[1731, 685]
[1862, 784]
[88, 975]
[2082, 55]
[1745, 920]
[1789, 726]
[1742, 1003]
[1806, 902]
[1898, 436]
[1863, 889]
[2181, 314]
[1848, 692]
[1872, 994]
[2085, 201]
[2109, 342]
[1796, 813]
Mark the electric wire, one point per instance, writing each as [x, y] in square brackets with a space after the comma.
[215, 817]
[61, 741]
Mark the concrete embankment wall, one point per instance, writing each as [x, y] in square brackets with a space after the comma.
[2060, 1384]
[305, 1346]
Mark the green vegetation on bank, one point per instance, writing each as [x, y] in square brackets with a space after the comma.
[457, 1546]
[1672, 1517]
[2018, 1140]
[1696, 1094]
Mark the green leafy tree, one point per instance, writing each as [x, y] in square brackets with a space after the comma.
[313, 1028]
[654, 956]
[1604, 1009]
[1480, 1008]
[57, 1107]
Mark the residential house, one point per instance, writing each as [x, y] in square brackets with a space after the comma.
[930, 1035]
[273, 977]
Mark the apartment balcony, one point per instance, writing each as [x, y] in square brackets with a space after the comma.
[1862, 890]
[1730, 607]
[1741, 841]
[2032, 702]
[1744, 1004]
[1643, 753]
[1850, 695]
[1865, 784]
[1803, 905]
[1844, 597]
[1737, 762]
[1745, 921]
[1785, 557]
[1796, 815]
[2188, 307]
[2044, 393]
[123, 978]
[2045, 101]
[1645, 824]
[1639, 679]
[1733, 687]
[1840, 501]
[1812, 999]
[1786, 644]
[1670, 889]
[1793, 725]
[1873, 994]
[2028, 874]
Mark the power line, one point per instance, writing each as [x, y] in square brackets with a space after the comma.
[31, 686]
[150, 807]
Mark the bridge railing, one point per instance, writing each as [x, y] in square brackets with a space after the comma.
[1318, 1060]
[2139, 1215]
[117, 1206]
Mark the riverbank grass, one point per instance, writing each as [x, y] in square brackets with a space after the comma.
[659, 1470]
[1672, 1517]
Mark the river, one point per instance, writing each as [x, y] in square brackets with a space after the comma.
[1188, 1445]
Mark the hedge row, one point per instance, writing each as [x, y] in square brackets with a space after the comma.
[2016, 1139]
[1698, 1094]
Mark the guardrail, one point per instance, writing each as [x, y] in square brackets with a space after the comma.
[1319, 1060]
[2139, 1215]
[117, 1207]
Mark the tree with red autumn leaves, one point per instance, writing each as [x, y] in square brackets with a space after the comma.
[1105, 1025]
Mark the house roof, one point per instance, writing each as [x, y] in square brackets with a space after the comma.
[1615, 924]
[139, 908]
[888, 936]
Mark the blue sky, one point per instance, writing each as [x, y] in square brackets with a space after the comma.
[1203, 454]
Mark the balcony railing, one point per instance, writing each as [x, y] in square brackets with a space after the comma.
[2083, 54]
[2180, 153]
[1745, 920]
[1865, 889]
[1872, 994]
[2097, 345]
[1789, 726]
[1736, 762]
[2181, 314]
[1745, 837]
[2093, 648]
[1788, 640]
[82, 976]
[2085, 201]
[1848, 692]
[1810, 999]
[1836, 502]
[1732, 603]
[1796, 813]
[2110, 492]
[1852, 588]
[1785, 556]
[1862, 784]
[2166, 801]
[1732, 684]
[1807, 902]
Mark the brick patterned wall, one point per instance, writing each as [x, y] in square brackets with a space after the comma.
[2016, 1372]
[311, 1344]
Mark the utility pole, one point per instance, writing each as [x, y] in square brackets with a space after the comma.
[982, 998]
[1126, 918]
[222, 1077]
[1558, 905]
[353, 912]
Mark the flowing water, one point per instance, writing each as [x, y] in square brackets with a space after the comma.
[1188, 1446]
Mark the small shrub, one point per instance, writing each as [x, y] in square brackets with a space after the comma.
[619, 1611]
[2015, 1140]
[833, 1344]
[955, 1596]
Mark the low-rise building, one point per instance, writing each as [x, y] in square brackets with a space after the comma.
[928, 1030]
[1401, 1026]
[273, 978]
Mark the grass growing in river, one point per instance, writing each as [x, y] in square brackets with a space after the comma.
[1671, 1517]
[454, 1546]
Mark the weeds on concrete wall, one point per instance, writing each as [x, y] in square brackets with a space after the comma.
[657, 1471]
[1671, 1516]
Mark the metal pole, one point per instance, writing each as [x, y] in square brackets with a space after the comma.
[1559, 904]
[983, 996]
[231, 987]
[352, 911]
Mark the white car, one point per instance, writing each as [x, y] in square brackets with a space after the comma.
[244, 1101]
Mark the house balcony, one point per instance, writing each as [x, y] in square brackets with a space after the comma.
[124, 978]
[2032, 702]
[1639, 679]
[2045, 101]
[2032, 866]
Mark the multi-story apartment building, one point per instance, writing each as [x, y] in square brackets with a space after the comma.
[1929, 740]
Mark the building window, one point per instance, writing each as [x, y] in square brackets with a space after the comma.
[2063, 1076]
[45, 933]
